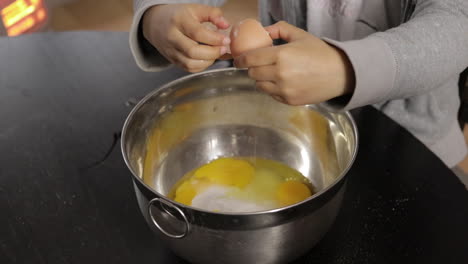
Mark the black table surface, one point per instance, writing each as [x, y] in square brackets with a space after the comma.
[66, 195]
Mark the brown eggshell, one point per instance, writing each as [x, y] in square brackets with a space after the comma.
[248, 35]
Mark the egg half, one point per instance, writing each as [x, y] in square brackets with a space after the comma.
[248, 35]
[242, 185]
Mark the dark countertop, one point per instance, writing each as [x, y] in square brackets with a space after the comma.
[63, 100]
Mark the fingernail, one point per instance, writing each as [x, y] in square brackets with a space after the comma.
[223, 50]
[223, 20]
[226, 41]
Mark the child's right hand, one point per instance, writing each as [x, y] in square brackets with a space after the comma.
[176, 31]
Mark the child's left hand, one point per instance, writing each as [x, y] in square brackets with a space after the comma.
[306, 70]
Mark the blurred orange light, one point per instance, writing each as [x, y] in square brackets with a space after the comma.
[16, 11]
[21, 27]
[41, 14]
[20, 16]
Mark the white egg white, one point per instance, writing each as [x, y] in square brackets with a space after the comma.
[219, 198]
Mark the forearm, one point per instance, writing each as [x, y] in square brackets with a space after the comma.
[431, 47]
[413, 58]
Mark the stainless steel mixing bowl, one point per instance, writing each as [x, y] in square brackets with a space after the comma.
[218, 113]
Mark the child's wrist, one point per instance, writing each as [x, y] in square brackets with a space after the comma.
[346, 80]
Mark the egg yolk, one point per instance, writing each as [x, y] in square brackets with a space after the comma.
[292, 192]
[185, 193]
[237, 184]
[225, 171]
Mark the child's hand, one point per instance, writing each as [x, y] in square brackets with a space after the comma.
[178, 34]
[306, 70]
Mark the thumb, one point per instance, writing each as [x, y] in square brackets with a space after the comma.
[285, 31]
[205, 13]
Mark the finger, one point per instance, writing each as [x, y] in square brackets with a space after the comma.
[188, 64]
[285, 31]
[193, 50]
[221, 22]
[279, 99]
[268, 87]
[257, 57]
[263, 73]
[194, 29]
[226, 56]
[202, 34]
[211, 14]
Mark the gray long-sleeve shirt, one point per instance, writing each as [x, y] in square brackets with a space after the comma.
[406, 55]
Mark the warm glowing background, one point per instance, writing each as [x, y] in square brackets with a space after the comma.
[22, 16]
[25, 16]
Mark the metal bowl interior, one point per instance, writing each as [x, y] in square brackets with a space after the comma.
[196, 119]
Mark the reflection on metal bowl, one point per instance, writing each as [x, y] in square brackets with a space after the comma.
[218, 113]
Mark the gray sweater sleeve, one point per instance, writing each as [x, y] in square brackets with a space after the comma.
[146, 56]
[410, 59]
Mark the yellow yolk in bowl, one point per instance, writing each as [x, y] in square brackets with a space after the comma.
[185, 193]
[292, 192]
[226, 171]
[242, 185]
